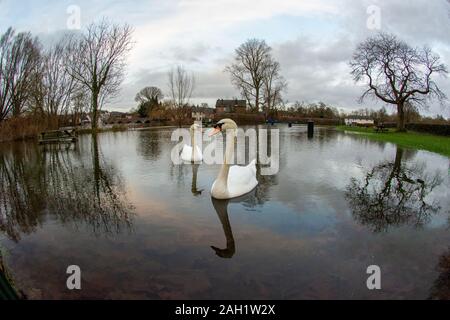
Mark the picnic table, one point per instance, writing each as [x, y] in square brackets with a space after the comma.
[380, 128]
[58, 136]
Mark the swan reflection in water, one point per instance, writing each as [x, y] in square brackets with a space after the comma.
[195, 191]
[221, 207]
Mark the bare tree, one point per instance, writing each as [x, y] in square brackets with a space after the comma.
[248, 70]
[80, 103]
[149, 94]
[97, 61]
[181, 86]
[274, 85]
[57, 85]
[396, 73]
[19, 58]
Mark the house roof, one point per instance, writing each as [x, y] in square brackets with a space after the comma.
[205, 110]
[231, 103]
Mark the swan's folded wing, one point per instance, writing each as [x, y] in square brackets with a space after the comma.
[186, 153]
[242, 179]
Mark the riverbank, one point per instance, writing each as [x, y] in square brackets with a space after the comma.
[124, 128]
[413, 140]
[32, 135]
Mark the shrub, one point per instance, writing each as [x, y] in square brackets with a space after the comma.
[437, 129]
[20, 128]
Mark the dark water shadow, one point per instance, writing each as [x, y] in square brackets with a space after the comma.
[441, 286]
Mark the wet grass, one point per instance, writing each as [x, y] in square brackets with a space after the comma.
[413, 140]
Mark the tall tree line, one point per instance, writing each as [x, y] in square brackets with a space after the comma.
[19, 61]
[77, 74]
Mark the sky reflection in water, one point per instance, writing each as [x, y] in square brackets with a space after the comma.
[140, 227]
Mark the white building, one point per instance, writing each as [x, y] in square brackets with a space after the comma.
[102, 119]
[359, 121]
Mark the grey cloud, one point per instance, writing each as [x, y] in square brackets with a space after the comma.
[316, 68]
[318, 71]
[194, 53]
[210, 85]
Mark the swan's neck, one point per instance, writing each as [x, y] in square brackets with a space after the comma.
[222, 179]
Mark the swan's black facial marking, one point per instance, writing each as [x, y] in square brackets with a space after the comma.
[218, 126]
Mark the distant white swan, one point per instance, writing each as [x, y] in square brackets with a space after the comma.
[232, 181]
[192, 153]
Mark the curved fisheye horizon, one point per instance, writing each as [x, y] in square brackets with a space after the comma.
[313, 43]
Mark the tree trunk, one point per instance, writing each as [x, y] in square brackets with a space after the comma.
[401, 117]
[94, 110]
[257, 101]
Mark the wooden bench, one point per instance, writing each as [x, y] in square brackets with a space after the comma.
[381, 128]
[58, 136]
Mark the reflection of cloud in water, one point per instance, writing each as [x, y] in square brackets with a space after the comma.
[294, 237]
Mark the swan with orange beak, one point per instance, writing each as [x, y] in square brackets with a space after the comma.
[232, 181]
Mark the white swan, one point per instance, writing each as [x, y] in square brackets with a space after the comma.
[232, 181]
[192, 153]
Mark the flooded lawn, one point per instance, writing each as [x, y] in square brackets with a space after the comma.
[140, 227]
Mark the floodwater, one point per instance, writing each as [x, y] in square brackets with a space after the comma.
[140, 227]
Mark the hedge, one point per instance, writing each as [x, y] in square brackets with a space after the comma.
[257, 118]
[438, 129]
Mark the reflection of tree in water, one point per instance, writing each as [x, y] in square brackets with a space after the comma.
[21, 200]
[441, 286]
[265, 182]
[393, 194]
[221, 207]
[60, 183]
[149, 145]
[262, 192]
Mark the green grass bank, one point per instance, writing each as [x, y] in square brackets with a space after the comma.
[412, 140]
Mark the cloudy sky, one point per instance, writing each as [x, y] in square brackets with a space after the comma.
[313, 40]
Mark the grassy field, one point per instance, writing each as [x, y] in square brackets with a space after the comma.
[413, 140]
